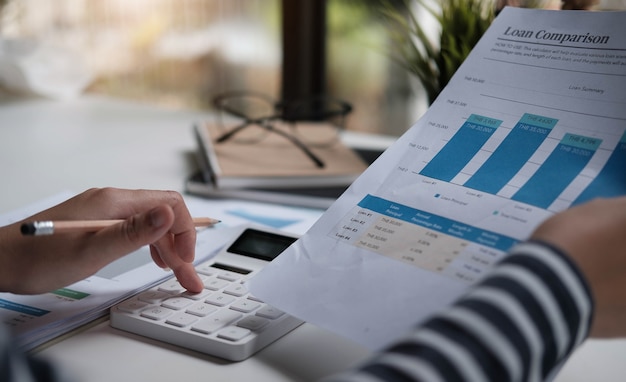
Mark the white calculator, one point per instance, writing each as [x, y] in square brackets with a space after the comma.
[223, 320]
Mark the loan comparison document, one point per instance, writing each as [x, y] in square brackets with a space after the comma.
[532, 123]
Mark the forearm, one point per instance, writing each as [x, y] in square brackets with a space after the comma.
[24, 261]
[8, 250]
[518, 324]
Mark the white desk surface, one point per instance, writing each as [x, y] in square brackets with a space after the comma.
[51, 146]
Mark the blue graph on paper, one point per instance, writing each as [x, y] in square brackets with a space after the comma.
[554, 174]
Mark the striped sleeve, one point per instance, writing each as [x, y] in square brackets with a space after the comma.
[518, 324]
[17, 366]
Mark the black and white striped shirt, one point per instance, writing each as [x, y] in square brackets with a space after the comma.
[518, 324]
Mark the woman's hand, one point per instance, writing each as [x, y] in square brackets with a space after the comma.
[594, 235]
[38, 264]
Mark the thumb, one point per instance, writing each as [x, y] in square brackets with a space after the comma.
[133, 233]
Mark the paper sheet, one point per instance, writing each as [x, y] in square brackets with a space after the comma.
[533, 122]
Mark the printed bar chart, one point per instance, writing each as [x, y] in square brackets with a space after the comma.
[561, 167]
[501, 170]
[611, 181]
[514, 151]
[451, 159]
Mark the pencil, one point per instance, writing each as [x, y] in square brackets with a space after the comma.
[50, 227]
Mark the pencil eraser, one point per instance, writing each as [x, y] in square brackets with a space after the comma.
[28, 229]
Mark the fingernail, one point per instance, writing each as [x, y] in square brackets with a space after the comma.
[157, 218]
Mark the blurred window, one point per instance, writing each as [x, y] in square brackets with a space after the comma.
[182, 53]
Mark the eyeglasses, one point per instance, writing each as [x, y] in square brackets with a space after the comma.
[306, 123]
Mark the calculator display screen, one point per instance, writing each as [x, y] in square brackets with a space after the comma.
[260, 245]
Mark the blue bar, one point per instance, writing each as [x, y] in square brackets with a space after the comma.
[563, 165]
[461, 148]
[30, 310]
[437, 223]
[514, 151]
[611, 181]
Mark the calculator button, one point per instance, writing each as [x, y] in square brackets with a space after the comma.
[237, 290]
[132, 306]
[219, 299]
[254, 298]
[172, 286]
[176, 303]
[156, 313]
[233, 333]
[206, 269]
[153, 296]
[245, 306]
[181, 319]
[201, 309]
[215, 284]
[252, 322]
[196, 296]
[229, 276]
[216, 321]
[269, 312]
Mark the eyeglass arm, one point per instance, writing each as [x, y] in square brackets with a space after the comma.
[229, 134]
[318, 162]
